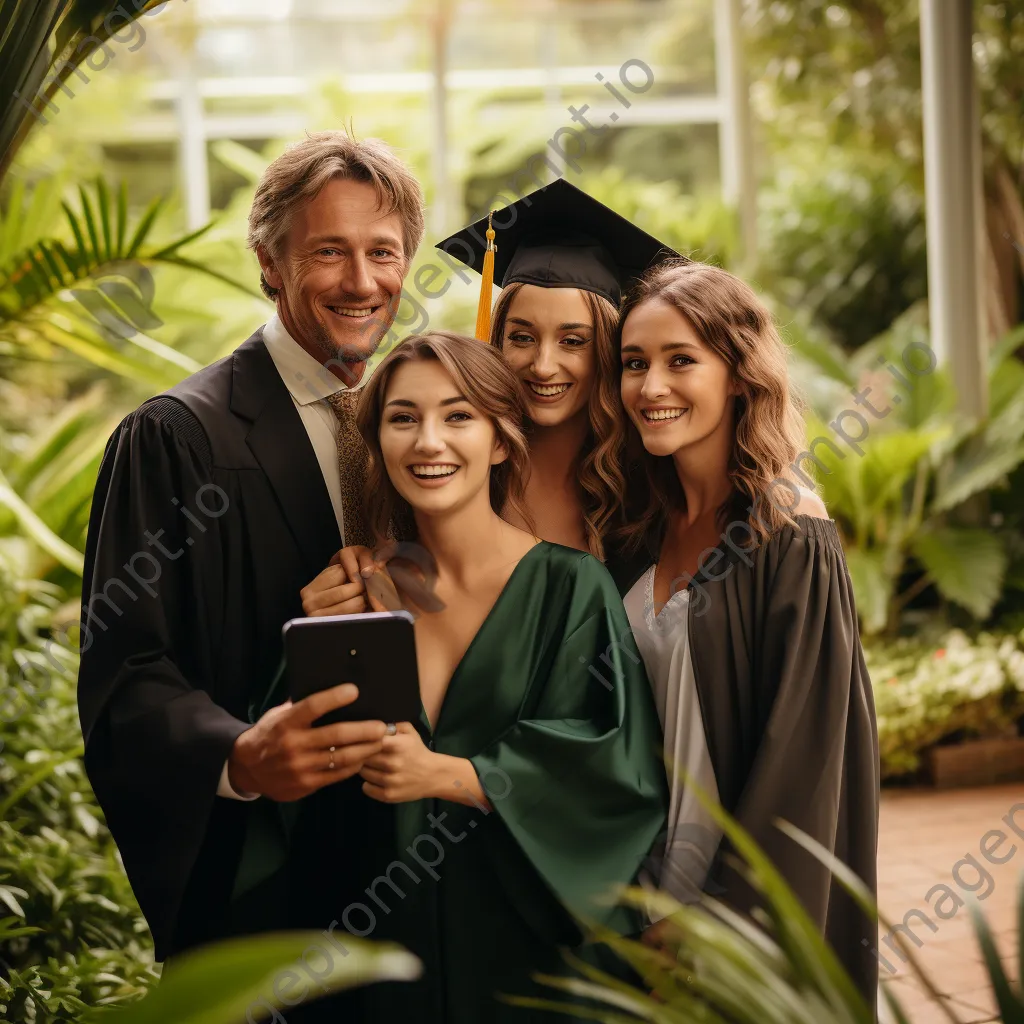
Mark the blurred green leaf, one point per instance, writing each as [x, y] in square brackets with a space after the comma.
[967, 565]
[224, 981]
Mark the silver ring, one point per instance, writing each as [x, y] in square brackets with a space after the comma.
[392, 728]
[330, 763]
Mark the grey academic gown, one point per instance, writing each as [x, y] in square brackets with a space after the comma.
[789, 717]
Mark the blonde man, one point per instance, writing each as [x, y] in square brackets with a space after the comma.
[216, 503]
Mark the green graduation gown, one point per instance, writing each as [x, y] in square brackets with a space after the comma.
[552, 705]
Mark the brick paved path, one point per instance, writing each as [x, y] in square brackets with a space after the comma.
[925, 835]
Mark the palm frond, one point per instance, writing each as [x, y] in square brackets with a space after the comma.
[45, 41]
[34, 528]
[92, 292]
[1010, 1003]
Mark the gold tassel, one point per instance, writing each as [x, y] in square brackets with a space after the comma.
[483, 309]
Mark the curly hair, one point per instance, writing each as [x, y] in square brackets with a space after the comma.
[490, 386]
[600, 461]
[733, 322]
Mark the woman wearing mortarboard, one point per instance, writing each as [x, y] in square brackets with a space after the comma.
[766, 703]
[562, 260]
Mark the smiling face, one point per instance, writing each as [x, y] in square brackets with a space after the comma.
[437, 448]
[676, 389]
[548, 340]
[339, 275]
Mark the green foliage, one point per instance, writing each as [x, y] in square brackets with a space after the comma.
[71, 934]
[1009, 997]
[843, 240]
[702, 227]
[230, 980]
[46, 484]
[898, 503]
[713, 966]
[717, 967]
[42, 43]
[54, 471]
[92, 293]
[954, 686]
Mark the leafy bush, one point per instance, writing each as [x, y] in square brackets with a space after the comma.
[71, 933]
[897, 492]
[925, 693]
[844, 240]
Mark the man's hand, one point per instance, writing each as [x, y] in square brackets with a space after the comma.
[664, 935]
[404, 769]
[352, 582]
[285, 758]
[340, 589]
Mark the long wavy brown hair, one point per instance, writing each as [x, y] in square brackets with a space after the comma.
[490, 386]
[600, 460]
[732, 321]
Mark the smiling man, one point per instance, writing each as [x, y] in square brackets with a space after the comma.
[216, 503]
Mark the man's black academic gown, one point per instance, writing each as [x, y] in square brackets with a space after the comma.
[210, 515]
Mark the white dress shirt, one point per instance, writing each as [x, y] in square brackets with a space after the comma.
[309, 383]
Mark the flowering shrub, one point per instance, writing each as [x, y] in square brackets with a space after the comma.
[966, 686]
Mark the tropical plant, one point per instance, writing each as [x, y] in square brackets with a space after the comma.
[899, 490]
[844, 78]
[46, 484]
[91, 293]
[42, 42]
[231, 980]
[717, 967]
[1009, 997]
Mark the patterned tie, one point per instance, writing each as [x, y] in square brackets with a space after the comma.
[353, 459]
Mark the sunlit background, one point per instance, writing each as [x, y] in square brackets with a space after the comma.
[782, 139]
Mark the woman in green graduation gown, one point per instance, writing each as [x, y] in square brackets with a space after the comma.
[562, 260]
[532, 785]
[741, 604]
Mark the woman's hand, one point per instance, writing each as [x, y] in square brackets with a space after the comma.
[404, 769]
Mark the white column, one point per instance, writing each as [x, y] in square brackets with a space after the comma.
[739, 182]
[441, 211]
[555, 111]
[193, 169]
[953, 196]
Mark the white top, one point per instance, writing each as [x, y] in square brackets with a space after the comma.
[692, 837]
[309, 383]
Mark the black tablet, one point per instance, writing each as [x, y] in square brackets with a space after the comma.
[374, 650]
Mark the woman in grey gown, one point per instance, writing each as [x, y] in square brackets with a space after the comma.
[739, 598]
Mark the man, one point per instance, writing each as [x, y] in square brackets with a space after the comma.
[216, 503]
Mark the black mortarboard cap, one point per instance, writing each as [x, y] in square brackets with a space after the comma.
[560, 237]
